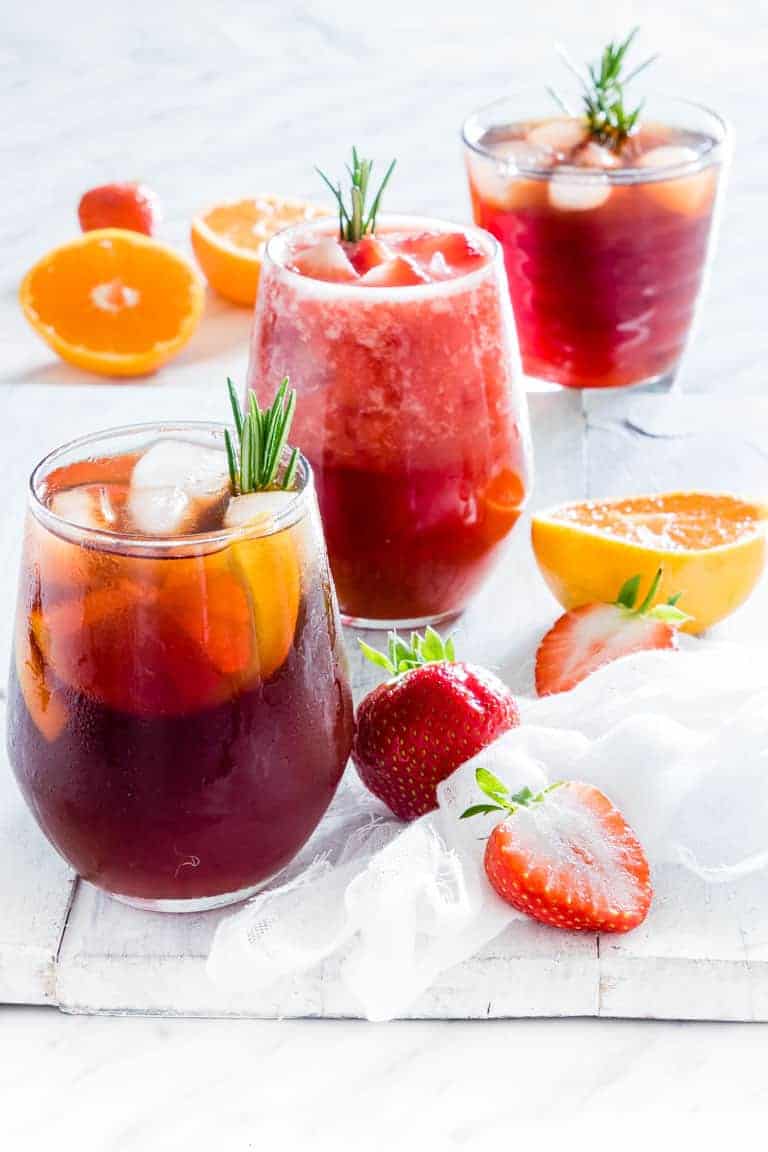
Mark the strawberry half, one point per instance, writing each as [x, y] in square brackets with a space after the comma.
[126, 205]
[586, 638]
[565, 856]
[417, 728]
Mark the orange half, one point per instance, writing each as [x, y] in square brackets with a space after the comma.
[711, 547]
[229, 240]
[113, 302]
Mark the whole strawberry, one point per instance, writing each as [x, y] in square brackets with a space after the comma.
[418, 727]
[127, 205]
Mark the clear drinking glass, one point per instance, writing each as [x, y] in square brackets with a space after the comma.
[411, 412]
[605, 257]
[180, 714]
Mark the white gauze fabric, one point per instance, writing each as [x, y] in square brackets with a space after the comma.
[677, 740]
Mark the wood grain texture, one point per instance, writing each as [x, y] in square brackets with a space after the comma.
[701, 954]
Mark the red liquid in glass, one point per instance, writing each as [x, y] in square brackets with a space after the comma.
[175, 738]
[407, 412]
[603, 296]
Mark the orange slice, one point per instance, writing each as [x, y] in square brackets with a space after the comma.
[711, 548]
[113, 302]
[45, 702]
[229, 240]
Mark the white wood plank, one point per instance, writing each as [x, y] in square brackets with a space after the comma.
[35, 892]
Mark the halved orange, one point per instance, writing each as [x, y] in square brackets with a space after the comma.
[711, 547]
[229, 240]
[113, 302]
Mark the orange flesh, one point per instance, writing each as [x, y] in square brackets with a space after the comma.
[678, 521]
[111, 296]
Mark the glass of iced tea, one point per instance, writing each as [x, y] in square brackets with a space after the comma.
[606, 220]
[180, 714]
[402, 347]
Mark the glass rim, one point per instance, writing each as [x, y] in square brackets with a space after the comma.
[389, 292]
[610, 175]
[133, 542]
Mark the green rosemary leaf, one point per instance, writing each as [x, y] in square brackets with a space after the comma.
[290, 472]
[245, 457]
[236, 411]
[609, 121]
[231, 462]
[354, 223]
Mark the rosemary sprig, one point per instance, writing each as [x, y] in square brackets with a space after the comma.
[261, 437]
[608, 120]
[354, 222]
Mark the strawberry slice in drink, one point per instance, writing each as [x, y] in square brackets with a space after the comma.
[399, 272]
[586, 638]
[368, 253]
[325, 260]
[443, 253]
[565, 856]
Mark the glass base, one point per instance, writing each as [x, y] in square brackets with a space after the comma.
[201, 904]
[663, 383]
[399, 625]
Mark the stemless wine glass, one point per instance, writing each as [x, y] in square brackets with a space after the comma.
[180, 714]
[605, 254]
[410, 411]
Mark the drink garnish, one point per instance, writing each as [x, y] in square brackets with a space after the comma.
[609, 122]
[354, 223]
[261, 435]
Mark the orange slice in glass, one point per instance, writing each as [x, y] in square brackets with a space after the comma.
[113, 302]
[711, 547]
[229, 240]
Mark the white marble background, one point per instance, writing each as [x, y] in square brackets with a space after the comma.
[205, 101]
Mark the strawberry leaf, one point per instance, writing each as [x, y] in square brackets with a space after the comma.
[669, 614]
[375, 657]
[628, 593]
[402, 656]
[492, 786]
[480, 810]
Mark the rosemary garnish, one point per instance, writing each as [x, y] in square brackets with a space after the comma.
[608, 121]
[353, 221]
[261, 436]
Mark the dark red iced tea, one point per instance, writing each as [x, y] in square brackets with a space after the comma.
[179, 710]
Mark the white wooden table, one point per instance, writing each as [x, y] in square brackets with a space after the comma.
[62, 942]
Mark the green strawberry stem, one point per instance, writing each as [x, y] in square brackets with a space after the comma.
[402, 657]
[354, 222]
[668, 612]
[261, 437]
[502, 800]
[608, 120]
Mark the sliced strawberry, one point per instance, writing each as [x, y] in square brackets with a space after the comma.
[419, 727]
[566, 857]
[399, 272]
[586, 638]
[455, 247]
[325, 260]
[368, 253]
[127, 205]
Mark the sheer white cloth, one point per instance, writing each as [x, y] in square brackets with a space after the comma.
[679, 741]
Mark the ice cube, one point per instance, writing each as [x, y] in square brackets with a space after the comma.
[667, 156]
[594, 155]
[690, 194]
[559, 136]
[497, 180]
[568, 193]
[76, 506]
[256, 508]
[198, 471]
[165, 511]
[175, 487]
